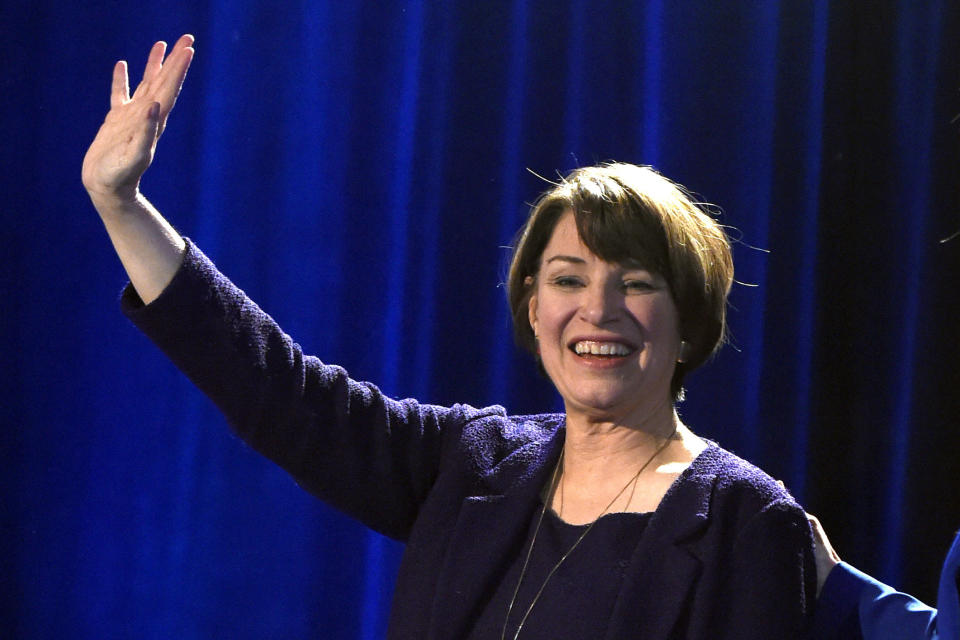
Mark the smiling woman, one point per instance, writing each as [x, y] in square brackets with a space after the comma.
[608, 335]
[611, 520]
[631, 215]
[619, 286]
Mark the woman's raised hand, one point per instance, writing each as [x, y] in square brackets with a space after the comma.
[125, 144]
[150, 248]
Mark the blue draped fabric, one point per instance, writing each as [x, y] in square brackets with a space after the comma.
[359, 168]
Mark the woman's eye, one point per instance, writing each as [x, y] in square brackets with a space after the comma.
[638, 285]
[566, 282]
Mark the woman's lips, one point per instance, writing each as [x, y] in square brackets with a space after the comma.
[609, 348]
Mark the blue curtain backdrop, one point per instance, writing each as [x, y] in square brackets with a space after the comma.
[360, 167]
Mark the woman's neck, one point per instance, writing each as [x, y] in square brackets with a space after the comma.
[608, 437]
[602, 457]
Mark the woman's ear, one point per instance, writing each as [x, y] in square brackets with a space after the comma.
[532, 306]
[532, 314]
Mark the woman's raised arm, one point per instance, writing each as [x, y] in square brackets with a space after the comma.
[148, 246]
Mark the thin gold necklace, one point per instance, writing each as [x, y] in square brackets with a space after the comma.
[526, 561]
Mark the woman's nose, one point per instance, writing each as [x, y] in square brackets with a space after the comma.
[600, 304]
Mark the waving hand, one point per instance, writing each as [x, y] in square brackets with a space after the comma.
[125, 144]
[149, 247]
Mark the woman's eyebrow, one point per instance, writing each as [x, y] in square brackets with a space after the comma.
[562, 258]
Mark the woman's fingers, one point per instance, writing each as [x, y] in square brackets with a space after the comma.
[186, 40]
[172, 76]
[823, 554]
[174, 72]
[175, 69]
[124, 146]
[157, 72]
[152, 69]
[154, 61]
[163, 79]
[120, 89]
[820, 538]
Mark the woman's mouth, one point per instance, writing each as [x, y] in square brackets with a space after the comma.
[601, 348]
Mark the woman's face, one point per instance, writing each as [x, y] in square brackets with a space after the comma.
[608, 334]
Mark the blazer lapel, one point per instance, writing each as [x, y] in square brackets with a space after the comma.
[664, 569]
[489, 529]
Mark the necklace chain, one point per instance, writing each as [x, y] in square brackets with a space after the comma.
[553, 487]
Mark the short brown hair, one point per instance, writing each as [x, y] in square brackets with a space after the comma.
[629, 213]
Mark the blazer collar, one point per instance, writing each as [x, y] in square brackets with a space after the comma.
[493, 525]
[489, 528]
[667, 560]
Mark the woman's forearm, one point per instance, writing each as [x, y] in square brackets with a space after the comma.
[149, 248]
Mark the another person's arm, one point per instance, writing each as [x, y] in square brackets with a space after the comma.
[948, 595]
[852, 604]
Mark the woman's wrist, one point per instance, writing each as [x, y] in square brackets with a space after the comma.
[112, 204]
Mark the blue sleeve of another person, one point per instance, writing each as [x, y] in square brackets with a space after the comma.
[854, 605]
[948, 595]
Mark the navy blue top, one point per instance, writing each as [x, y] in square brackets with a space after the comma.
[581, 594]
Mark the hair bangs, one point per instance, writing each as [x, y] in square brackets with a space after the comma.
[623, 231]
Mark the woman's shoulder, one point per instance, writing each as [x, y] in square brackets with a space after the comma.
[723, 505]
[496, 420]
[490, 436]
[735, 482]
[493, 427]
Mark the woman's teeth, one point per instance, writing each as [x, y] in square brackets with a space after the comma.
[590, 347]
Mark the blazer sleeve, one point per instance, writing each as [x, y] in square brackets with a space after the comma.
[855, 605]
[948, 594]
[346, 442]
[771, 581]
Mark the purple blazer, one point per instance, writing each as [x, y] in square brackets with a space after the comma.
[728, 553]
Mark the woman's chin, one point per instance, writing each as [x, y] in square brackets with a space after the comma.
[598, 407]
[621, 407]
